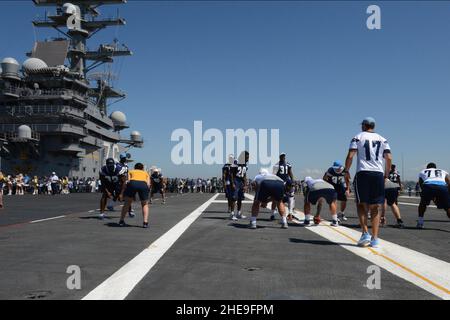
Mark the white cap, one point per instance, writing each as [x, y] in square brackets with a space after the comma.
[230, 159]
[308, 179]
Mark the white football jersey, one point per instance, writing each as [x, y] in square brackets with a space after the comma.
[433, 176]
[371, 148]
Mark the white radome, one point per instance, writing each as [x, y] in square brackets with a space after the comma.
[69, 8]
[34, 64]
[136, 136]
[10, 61]
[24, 131]
[118, 118]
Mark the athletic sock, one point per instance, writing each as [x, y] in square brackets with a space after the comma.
[283, 219]
[253, 219]
[334, 217]
[308, 217]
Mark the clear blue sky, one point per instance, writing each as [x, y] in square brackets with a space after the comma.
[311, 69]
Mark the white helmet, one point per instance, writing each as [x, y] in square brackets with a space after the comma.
[230, 159]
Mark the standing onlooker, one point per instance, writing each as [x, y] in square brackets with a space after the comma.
[371, 173]
[54, 183]
[2, 179]
[35, 185]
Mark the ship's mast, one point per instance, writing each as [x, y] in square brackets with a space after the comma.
[80, 19]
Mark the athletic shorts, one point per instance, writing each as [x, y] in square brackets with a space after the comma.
[439, 194]
[139, 187]
[157, 188]
[238, 190]
[340, 190]
[391, 196]
[228, 192]
[369, 187]
[111, 188]
[270, 190]
[329, 195]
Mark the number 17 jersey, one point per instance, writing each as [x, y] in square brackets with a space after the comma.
[371, 148]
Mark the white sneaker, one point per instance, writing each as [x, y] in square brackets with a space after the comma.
[241, 216]
[342, 217]
[232, 217]
[102, 216]
[253, 225]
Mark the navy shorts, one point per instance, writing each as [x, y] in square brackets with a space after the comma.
[341, 196]
[114, 189]
[157, 188]
[228, 192]
[270, 190]
[369, 187]
[238, 190]
[391, 196]
[439, 194]
[329, 195]
[139, 187]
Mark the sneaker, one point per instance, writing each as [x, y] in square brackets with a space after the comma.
[145, 225]
[335, 223]
[419, 225]
[101, 216]
[252, 225]
[375, 243]
[232, 217]
[284, 225]
[241, 216]
[400, 224]
[364, 241]
[121, 223]
[131, 214]
[164, 202]
[306, 222]
[317, 220]
[272, 217]
[342, 217]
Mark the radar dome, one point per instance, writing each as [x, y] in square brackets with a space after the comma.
[136, 136]
[10, 61]
[24, 131]
[10, 67]
[118, 118]
[34, 64]
[69, 8]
